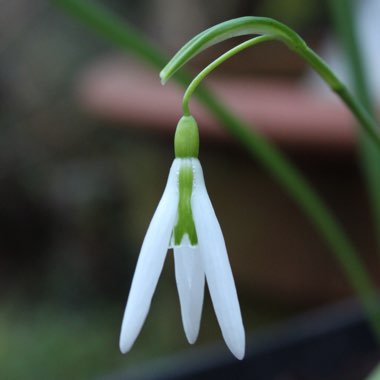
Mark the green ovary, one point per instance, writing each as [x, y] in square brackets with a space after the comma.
[185, 222]
[186, 139]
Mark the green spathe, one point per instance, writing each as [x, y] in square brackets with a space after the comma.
[186, 139]
[185, 222]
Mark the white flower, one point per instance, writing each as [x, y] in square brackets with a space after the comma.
[198, 255]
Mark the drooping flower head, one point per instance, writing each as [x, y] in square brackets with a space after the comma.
[186, 222]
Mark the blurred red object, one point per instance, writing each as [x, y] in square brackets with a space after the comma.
[287, 112]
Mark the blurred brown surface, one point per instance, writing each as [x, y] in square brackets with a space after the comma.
[284, 111]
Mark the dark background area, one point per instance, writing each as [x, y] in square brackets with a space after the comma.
[77, 193]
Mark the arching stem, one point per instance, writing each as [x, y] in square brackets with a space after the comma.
[212, 66]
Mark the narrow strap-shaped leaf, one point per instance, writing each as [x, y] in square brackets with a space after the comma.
[225, 30]
[269, 27]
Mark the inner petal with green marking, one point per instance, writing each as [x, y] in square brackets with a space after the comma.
[185, 223]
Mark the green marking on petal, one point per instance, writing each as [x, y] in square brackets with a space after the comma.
[185, 223]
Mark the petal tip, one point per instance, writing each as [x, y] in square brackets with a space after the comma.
[126, 340]
[235, 341]
[124, 348]
[191, 337]
[237, 346]
[239, 353]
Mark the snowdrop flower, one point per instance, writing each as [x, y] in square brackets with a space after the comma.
[185, 221]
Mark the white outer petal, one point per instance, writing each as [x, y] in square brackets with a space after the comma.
[216, 266]
[150, 262]
[190, 284]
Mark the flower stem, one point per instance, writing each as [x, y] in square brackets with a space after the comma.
[213, 65]
[362, 115]
[115, 30]
[276, 30]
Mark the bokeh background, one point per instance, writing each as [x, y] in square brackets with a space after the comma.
[81, 172]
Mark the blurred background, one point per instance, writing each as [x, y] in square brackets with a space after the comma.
[86, 136]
